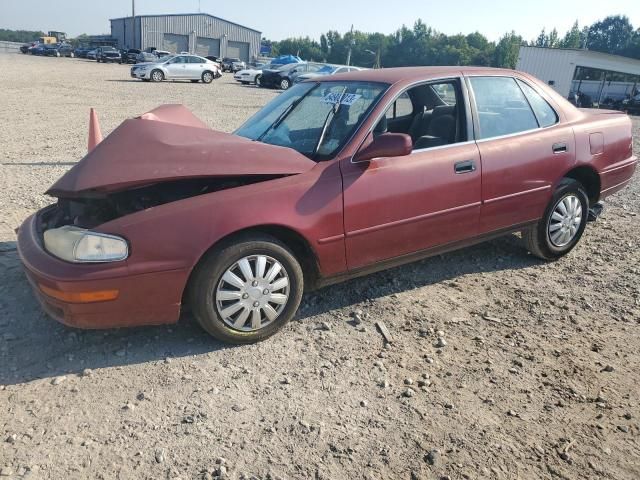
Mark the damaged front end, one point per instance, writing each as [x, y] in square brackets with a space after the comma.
[161, 157]
[94, 208]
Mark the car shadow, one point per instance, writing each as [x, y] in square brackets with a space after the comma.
[32, 346]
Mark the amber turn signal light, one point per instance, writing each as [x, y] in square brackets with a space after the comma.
[80, 297]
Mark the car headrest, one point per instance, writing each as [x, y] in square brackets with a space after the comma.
[382, 126]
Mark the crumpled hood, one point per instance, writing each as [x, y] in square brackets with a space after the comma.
[170, 143]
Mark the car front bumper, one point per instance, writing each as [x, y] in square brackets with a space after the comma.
[151, 298]
[140, 74]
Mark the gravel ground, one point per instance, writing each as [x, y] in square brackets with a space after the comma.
[501, 366]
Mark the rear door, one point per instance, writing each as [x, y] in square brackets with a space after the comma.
[524, 146]
[195, 67]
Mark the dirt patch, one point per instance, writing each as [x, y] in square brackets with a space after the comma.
[501, 366]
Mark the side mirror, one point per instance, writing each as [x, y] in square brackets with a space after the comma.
[385, 145]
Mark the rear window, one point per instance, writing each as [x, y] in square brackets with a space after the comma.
[502, 107]
[544, 113]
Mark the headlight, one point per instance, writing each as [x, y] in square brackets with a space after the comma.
[78, 245]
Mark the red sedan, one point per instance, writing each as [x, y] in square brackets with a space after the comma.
[334, 178]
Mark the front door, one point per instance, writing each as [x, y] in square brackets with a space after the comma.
[395, 206]
[177, 67]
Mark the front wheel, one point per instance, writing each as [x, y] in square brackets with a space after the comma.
[157, 76]
[285, 84]
[207, 77]
[563, 223]
[246, 291]
[257, 80]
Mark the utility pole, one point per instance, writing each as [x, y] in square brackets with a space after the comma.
[133, 21]
[351, 42]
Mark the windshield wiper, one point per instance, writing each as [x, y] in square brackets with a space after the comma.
[285, 113]
[332, 113]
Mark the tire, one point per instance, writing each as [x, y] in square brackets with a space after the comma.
[257, 80]
[285, 83]
[98, 60]
[157, 76]
[545, 239]
[207, 77]
[207, 280]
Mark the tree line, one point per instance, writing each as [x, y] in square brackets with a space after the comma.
[423, 45]
[22, 36]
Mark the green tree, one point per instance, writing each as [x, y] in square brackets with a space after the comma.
[611, 35]
[573, 38]
[541, 41]
[507, 49]
[22, 36]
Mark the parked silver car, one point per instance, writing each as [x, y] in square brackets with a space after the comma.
[177, 67]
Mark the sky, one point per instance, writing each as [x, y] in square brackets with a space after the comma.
[288, 18]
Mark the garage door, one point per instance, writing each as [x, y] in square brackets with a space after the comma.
[238, 50]
[208, 46]
[175, 43]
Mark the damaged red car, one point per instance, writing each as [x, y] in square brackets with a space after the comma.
[332, 179]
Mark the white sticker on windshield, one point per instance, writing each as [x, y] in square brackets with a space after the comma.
[347, 98]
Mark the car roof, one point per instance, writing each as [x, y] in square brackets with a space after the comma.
[414, 74]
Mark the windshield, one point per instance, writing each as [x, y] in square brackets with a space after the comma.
[316, 118]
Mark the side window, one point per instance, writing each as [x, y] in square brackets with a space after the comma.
[502, 107]
[400, 108]
[544, 113]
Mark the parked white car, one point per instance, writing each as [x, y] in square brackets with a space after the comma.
[326, 70]
[177, 67]
[251, 75]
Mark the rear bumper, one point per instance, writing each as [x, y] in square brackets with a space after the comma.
[617, 176]
[143, 299]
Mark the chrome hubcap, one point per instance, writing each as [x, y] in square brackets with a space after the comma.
[207, 77]
[252, 293]
[565, 221]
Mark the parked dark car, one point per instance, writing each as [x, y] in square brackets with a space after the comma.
[130, 55]
[335, 178]
[631, 105]
[227, 63]
[39, 49]
[107, 54]
[26, 47]
[81, 52]
[64, 50]
[283, 77]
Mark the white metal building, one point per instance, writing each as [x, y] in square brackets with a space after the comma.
[198, 33]
[599, 75]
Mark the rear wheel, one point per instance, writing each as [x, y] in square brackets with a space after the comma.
[246, 291]
[157, 76]
[207, 77]
[563, 223]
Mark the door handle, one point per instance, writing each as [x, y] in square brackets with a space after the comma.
[466, 166]
[559, 147]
